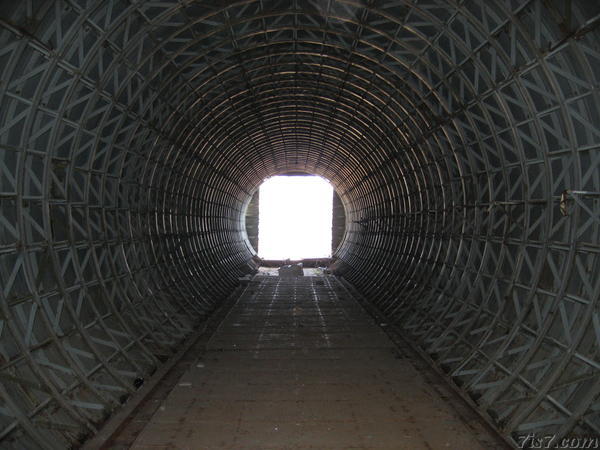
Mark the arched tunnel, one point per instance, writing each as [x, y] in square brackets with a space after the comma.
[462, 137]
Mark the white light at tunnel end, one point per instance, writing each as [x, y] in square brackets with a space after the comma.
[295, 214]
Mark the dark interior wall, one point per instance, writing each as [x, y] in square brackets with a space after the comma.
[338, 222]
[462, 138]
[252, 217]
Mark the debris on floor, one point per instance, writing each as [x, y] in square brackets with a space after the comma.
[268, 271]
[291, 270]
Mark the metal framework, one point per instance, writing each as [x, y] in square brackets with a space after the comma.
[461, 135]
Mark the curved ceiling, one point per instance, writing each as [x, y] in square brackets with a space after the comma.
[461, 136]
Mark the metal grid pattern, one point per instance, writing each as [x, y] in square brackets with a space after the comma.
[461, 135]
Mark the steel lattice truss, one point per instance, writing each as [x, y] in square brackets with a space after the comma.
[461, 135]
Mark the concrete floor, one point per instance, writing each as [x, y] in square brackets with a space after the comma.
[299, 364]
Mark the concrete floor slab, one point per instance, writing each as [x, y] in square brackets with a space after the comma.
[298, 364]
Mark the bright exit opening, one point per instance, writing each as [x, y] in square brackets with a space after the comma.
[294, 218]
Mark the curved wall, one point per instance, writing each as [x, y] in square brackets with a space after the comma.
[461, 136]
